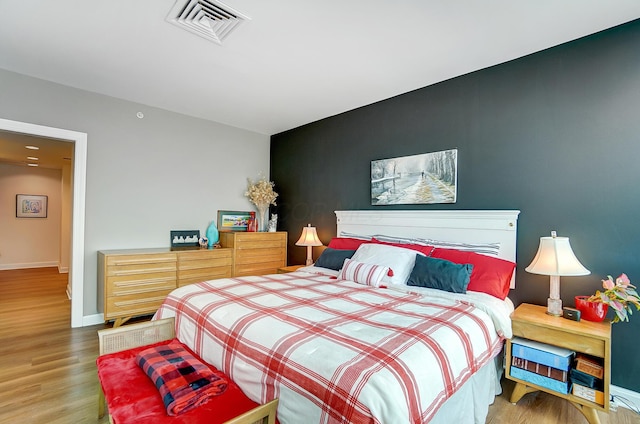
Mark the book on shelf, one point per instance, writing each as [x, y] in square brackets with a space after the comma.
[540, 380]
[588, 393]
[542, 353]
[589, 365]
[584, 379]
[545, 370]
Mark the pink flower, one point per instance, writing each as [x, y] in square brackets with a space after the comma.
[608, 284]
[623, 280]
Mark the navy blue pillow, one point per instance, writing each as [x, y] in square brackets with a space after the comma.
[440, 274]
[333, 258]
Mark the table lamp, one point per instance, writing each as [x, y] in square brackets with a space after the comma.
[309, 238]
[555, 258]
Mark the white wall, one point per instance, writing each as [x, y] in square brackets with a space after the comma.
[66, 213]
[145, 177]
[29, 242]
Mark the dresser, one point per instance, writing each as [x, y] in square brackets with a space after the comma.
[136, 281]
[256, 253]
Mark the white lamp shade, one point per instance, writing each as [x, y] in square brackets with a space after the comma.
[555, 257]
[309, 237]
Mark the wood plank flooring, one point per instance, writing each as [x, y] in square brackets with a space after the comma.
[48, 374]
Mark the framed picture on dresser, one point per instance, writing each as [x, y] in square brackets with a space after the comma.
[233, 220]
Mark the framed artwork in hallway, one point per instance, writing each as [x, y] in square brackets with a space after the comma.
[31, 206]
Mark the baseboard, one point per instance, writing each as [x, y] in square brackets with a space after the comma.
[28, 265]
[63, 269]
[89, 320]
[627, 395]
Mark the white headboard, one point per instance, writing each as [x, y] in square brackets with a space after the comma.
[472, 226]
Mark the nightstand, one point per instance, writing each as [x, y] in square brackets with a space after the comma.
[593, 338]
[290, 268]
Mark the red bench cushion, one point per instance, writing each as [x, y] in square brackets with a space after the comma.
[133, 398]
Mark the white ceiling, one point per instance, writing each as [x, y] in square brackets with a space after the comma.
[295, 61]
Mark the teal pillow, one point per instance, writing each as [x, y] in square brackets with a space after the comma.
[333, 258]
[440, 274]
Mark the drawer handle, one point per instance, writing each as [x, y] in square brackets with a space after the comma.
[148, 282]
[121, 273]
[138, 302]
[142, 261]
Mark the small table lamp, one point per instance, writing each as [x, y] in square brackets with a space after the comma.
[555, 258]
[309, 238]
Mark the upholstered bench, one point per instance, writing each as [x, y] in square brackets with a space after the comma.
[131, 396]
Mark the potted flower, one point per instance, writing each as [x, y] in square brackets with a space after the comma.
[619, 294]
[262, 195]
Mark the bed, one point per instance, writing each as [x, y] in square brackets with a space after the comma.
[347, 346]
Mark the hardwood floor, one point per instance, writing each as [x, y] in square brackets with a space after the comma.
[48, 374]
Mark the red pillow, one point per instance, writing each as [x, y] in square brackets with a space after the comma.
[346, 243]
[490, 275]
[420, 248]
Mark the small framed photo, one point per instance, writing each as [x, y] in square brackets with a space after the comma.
[31, 206]
[233, 220]
[184, 238]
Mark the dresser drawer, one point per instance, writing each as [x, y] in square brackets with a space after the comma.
[134, 304]
[205, 263]
[260, 255]
[202, 274]
[140, 283]
[144, 260]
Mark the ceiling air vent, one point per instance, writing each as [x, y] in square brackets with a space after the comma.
[208, 19]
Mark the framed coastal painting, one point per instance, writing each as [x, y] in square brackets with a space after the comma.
[418, 179]
[233, 220]
[31, 206]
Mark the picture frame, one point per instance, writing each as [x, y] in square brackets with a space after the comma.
[233, 220]
[418, 179]
[31, 205]
[184, 238]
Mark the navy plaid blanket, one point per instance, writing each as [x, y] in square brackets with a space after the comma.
[183, 381]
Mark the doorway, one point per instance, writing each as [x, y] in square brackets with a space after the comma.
[79, 171]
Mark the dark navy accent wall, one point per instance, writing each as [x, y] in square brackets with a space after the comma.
[555, 134]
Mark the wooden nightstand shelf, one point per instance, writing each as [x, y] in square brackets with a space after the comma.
[593, 338]
[290, 268]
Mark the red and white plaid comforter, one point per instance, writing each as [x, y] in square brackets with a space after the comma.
[334, 351]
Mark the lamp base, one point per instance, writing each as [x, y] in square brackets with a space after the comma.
[309, 256]
[554, 307]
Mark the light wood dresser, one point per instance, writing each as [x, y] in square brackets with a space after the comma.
[136, 281]
[256, 253]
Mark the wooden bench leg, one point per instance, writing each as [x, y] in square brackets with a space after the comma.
[102, 403]
[264, 414]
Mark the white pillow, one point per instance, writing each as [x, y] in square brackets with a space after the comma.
[399, 260]
[362, 273]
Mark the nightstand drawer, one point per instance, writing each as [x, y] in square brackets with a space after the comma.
[560, 338]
